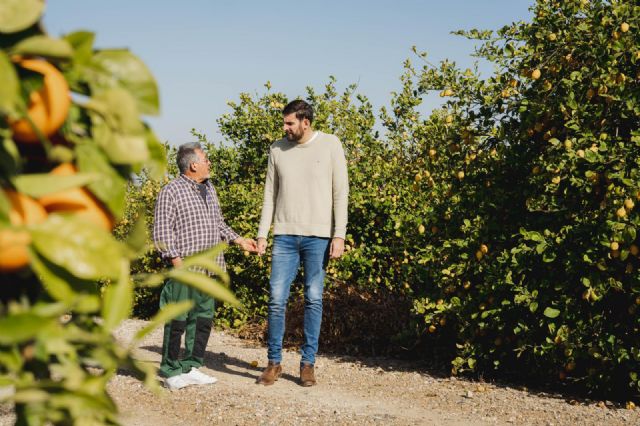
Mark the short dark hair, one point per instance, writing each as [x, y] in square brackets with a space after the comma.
[187, 155]
[301, 108]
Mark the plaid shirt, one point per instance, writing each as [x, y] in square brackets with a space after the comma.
[184, 224]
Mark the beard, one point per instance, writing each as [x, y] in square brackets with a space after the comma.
[295, 136]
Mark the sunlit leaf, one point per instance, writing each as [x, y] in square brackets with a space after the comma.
[20, 327]
[118, 299]
[41, 45]
[121, 68]
[551, 312]
[111, 188]
[17, 15]
[82, 45]
[79, 247]
[39, 184]
[10, 97]
[166, 314]
[204, 284]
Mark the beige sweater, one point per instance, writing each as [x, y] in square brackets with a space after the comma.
[306, 188]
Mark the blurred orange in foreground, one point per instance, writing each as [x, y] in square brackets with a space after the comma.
[78, 201]
[14, 242]
[48, 107]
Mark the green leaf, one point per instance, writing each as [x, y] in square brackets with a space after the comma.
[157, 163]
[9, 157]
[17, 328]
[111, 188]
[82, 44]
[11, 359]
[118, 299]
[205, 284]
[118, 109]
[81, 248]
[532, 235]
[591, 156]
[117, 127]
[39, 184]
[137, 237]
[166, 314]
[207, 260]
[121, 68]
[10, 98]
[17, 15]
[5, 207]
[551, 312]
[49, 310]
[61, 285]
[30, 396]
[148, 280]
[85, 405]
[147, 372]
[41, 45]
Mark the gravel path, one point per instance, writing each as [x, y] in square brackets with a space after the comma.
[370, 391]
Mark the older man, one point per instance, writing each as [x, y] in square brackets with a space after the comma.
[188, 220]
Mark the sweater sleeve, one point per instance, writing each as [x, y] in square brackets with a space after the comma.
[270, 195]
[227, 234]
[340, 190]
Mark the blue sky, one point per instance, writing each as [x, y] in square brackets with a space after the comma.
[204, 53]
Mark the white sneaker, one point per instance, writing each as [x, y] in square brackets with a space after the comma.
[196, 377]
[176, 382]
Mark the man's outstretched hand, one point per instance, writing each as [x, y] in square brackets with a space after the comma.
[247, 244]
[262, 246]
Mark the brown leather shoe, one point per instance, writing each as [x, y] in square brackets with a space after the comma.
[307, 375]
[270, 374]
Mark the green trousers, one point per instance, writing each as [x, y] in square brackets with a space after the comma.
[195, 325]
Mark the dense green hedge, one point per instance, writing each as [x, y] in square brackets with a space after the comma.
[507, 216]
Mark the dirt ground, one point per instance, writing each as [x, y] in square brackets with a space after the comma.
[370, 391]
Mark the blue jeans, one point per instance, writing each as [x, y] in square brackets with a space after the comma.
[288, 251]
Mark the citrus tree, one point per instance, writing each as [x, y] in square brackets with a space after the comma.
[71, 135]
[507, 215]
[535, 185]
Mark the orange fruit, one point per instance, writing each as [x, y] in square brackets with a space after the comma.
[14, 242]
[78, 201]
[48, 107]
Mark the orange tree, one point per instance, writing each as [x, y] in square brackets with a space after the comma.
[65, 162]
[535, 258]
[507, 215]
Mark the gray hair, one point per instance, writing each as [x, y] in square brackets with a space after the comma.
[187, 155]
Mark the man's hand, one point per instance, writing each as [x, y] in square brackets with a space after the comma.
[337, 248]
[262, 246]
[176, 262]
[247, 244]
